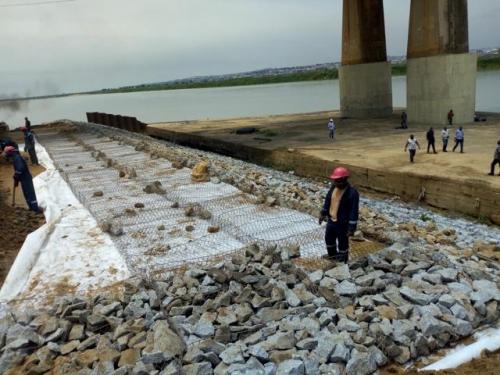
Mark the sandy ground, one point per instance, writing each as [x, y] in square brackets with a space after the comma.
[373, 143]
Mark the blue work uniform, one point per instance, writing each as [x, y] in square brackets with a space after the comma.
[347, 221]
[29, 146]
[23, 175]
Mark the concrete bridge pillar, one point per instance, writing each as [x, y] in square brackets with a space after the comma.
[440, 71]
[365, 74]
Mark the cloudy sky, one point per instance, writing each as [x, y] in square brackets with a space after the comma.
[51, 46]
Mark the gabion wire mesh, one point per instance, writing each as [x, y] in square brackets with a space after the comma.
[203, 251]
[110, 190]
[268, 225]
[226, 205]
[200, 192]
[92, 177]
[169, 178]
[153, 236]
[160, 219]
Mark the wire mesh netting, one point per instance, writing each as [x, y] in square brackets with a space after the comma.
[158, 218]
[201, 192]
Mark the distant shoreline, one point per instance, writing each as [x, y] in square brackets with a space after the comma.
[484, 63]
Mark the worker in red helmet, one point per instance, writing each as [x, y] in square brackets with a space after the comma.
[340, 210]
[7, 142]
[22, 174]
[29, 144]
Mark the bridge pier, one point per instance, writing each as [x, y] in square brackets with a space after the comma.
[365, 74]
[440, 71]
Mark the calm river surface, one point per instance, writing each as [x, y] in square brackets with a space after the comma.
[225, 102]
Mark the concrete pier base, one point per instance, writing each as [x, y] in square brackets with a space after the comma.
[436, 84]
[365, 90]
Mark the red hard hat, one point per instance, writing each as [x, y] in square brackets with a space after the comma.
[24, 128]
[9, 149]
[339, 172]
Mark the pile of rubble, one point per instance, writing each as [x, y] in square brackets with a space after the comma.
[259, 313]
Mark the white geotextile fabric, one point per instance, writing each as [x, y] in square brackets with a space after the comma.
[69, 251]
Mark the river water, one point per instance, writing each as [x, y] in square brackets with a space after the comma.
[225, 102]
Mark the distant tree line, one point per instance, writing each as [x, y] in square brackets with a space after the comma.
[484, 63]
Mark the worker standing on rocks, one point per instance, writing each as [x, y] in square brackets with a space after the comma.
[29, 145]
[340, 210]
[22, 174]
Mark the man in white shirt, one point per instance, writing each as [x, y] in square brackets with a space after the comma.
[445, 135]
[331, 127]
[411, 144]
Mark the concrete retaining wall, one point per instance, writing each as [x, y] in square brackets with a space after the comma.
[472, 197]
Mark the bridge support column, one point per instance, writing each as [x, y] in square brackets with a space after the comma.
[365, 75]
[440, 72]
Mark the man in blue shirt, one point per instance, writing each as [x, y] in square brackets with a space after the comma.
[459, 139]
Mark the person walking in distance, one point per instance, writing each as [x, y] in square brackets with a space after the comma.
[450, 117]
[22, 175]
[431, 140]
[340, 210]
[459, 139]
[445, 135]
[331, 128]
[496, 160]
[27, 123]
[403, 120]
[29, 145]
[411, 144]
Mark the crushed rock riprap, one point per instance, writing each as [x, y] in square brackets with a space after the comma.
[259, 312]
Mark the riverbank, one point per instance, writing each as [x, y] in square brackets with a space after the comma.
[373, 149]
[484, 63]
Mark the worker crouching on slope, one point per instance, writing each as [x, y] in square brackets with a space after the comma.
[341, 212]
[7, 142]
[23, 175]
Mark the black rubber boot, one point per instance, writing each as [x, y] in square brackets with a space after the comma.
[343, 256]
